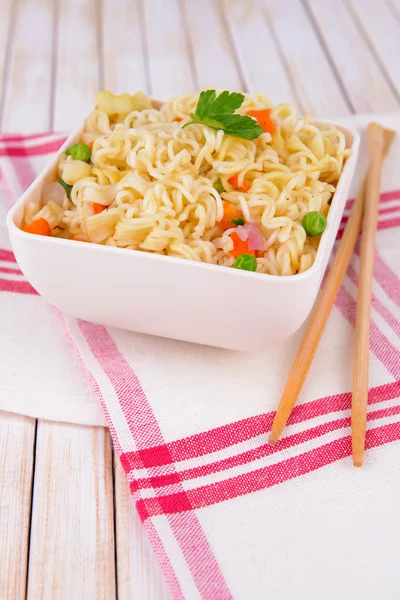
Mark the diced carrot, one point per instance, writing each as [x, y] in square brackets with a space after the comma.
[78, 239]
[234, 181]
[239, 246]
[178, 119]
[98, 208]
[90, 144]
[40, 227]
[263, 118]
[229, 213]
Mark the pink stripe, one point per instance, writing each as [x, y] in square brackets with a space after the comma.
[22, 150]
[23, 170]
[228, 435]
[385, 197]
[380, 345]
[155, 541]
[389, 224]
[382, 211]
[144, 429]
[262, 451]
[14, 137]
[164, 562]
[269, 476]
[18, 287]
[10, 271]
[377, 304]
[7, 255]
[387, 278]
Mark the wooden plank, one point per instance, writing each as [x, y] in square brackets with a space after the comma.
[168, 55]
[17, 437]
[264, 69]
[138, 573]
[27, 106]
[72, 533]
[383, 33]
[122, 45]
[362, 78]
[212, 50]
[77, 66]
[310, 72]
[7, 14]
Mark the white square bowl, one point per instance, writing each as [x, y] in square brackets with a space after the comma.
[168, 296]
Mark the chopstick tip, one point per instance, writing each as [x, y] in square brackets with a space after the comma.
[358, 462]
[272, 440]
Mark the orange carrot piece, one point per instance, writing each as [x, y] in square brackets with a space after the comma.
[234, 181]
[239, 246]
[40, 227]
[263, 118]
[98, 208]
[229, 213]
[90, 144]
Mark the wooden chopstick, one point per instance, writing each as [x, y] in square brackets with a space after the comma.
[376, 144]
[323, 308]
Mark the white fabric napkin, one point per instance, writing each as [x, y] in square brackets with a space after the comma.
[228, 515]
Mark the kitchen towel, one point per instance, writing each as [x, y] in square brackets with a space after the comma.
[228, 515]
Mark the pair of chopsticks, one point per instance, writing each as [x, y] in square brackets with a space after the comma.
[367, 203]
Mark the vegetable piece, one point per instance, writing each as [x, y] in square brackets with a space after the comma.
[90, 144]
[240, 246]
[78, 239]
[177, 119]
[255, 240]
[247, 262]
[53, 192]
[237, 222]
[314, 223]
[263, 118]
[79, 152]
[98, 208]
[218, 186]
[234, 181]
[230, 212]
[40, 227]
[120, 105]
[67, 187]
[218, 112]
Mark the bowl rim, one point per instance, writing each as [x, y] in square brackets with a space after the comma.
[89, 247]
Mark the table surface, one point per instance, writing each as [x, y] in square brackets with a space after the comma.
[67, 526]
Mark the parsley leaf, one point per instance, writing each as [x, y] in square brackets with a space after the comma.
[218, 112]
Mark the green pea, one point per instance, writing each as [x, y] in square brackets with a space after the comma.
[237, 222]
[314, 223]
[80, 152]
[66, 187]
[218, 186]
[247, 262]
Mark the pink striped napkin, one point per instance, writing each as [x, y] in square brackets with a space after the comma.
[228, 515]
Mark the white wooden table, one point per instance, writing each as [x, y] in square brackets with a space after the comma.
[67, 529]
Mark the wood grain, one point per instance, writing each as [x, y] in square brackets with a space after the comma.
[382, 32]
[77, 62]
[365, 84]
[72, 532]
[209, 37]
[7, 18]
[264, 70]
[123, 47]
[138, 573]
[310, 72]
[17, 437]
[168, 53]
[27, 105]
